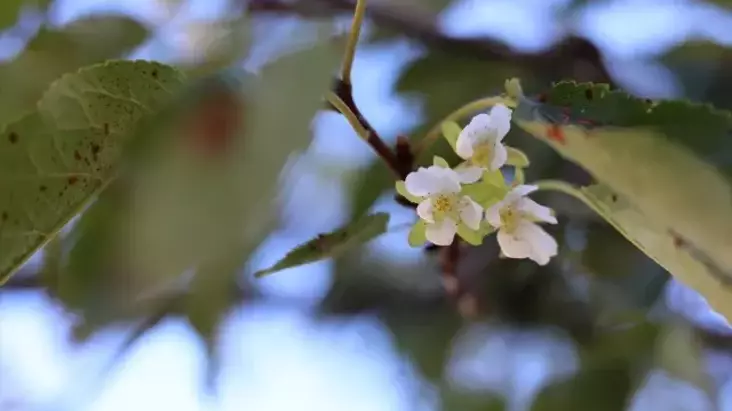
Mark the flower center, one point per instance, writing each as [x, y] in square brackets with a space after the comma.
[510, 218]
[443, 203]
[482, 154]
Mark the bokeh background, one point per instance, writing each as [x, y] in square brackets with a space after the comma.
[601, 328]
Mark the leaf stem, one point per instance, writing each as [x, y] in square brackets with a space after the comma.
[568, 189]
[343, 102]
[477, 105]
[353, 37]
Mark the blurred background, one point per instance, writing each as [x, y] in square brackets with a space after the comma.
[600, 328]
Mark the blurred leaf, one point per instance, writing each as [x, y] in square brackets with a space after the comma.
[226, 195]
[9, 12]
[214, 292]
[57, 51]
[602, 388]
[667, 161]
[455, 400]
[55, 159]
[702, 67]
[368, 187]
[680, 352]
[332, 244]
[637, 280]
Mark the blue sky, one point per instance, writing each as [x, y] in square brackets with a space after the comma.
[278, 359]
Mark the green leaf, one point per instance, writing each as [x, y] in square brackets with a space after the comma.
[54, 52]
[472, 237]
[418, 234]
[451, 130]
[228, 195]
[53, 161]
[665, 158]
[9, 12]
[401, 188]
[332, 244]
[660, 245]
[489, 190]
[440, 162]
[516, 158]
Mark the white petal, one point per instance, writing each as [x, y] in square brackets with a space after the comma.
[478, 127]
[520, 191]
[469, 174]
[500, 120]
[513, 246]
[419, 183]
[500, 155]
[447, 180]
[493, 214]
[424, 211]
[441, 233]
[542, 245]
[538, 211]
[431, 180]
[471, 213]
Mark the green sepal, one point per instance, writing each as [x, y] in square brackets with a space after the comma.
[516, 157]
[451, 130]
[440, 162]
[401, 188]
[418, 234]
[472, 237]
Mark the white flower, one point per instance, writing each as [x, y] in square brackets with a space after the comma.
[479, 143]
[441, 206]
[519, 236]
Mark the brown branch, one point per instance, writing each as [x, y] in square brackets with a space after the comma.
[574, 56]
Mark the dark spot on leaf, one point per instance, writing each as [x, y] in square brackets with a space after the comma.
[588, 94]
[106, 129]
[43, 188]
[4, 216]
[72, 180]
[13, 137]
[95, 147]
[77, 156]
[614, 198]
[155, 73]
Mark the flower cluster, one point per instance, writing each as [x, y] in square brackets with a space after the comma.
[473, 199]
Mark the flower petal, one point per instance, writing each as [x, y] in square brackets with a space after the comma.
[469, 174]
[500, 120]
[542, 246]
[420, 183]
[513, 246]
[447, 180]
[539, 212]
[442, 233]
[500, 155]
[520, 191]
[493, 214]
[479, 126]
[424, 211]
[470, 213]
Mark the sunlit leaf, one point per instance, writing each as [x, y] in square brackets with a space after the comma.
[332, 244]
[57, 51]
[54, 160]
[666, 159]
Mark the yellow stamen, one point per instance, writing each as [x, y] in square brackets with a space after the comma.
[443, 203]
[482, 154]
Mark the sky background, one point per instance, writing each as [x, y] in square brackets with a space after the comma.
[277, 358]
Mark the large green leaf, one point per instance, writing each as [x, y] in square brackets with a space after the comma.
[670, 161]
[57, 51]
[332, 244]
[224, 187]
[55, 159]
[660, 245]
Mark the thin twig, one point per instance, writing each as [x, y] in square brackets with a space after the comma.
[353, 37]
